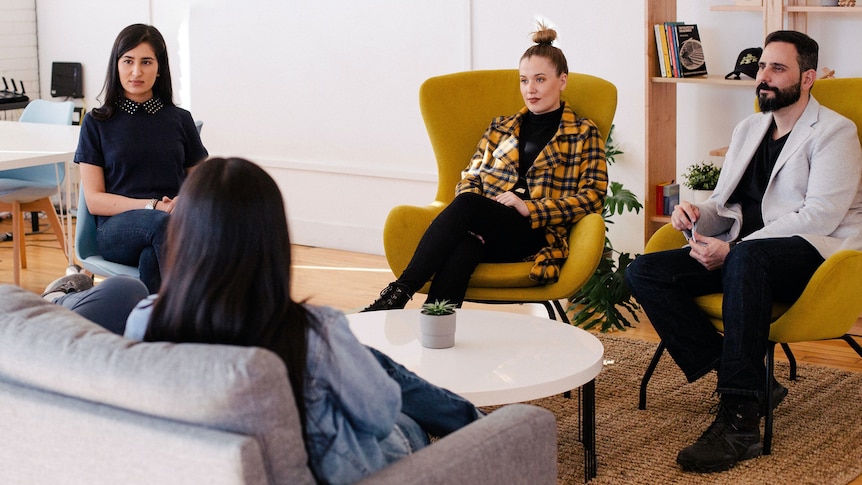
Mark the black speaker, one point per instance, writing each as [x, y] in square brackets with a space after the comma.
[66, 80]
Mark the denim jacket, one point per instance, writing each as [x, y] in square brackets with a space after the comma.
[351, 403]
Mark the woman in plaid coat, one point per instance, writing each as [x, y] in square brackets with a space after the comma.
[533, 175]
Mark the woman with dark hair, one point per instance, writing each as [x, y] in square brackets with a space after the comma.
[228, 281]
[533, 175]
[135, 151]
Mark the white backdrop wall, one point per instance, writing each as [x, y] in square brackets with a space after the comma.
[324, 94]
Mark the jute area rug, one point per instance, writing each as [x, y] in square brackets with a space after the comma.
[817, 430]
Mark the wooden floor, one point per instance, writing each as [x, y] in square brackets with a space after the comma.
[349, 281]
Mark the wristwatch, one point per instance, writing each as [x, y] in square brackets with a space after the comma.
[151, 204]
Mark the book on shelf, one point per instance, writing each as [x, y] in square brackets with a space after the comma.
[671, 198]
[689, 51]
[659, 197]
[661, 49]
[679, 50]
[666, 197]
[671, 48]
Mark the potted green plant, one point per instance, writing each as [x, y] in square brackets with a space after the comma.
[701, 178]
[605, 295]
[437, 324]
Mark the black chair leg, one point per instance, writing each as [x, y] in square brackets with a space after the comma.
[852, 343]
[648, 374]
[770, 373]
[550, 308]
[562, 312]
[791, 359]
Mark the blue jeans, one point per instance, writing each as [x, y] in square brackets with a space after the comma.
[107, 304]
[450, 249]
[135, 238]
[755, 274]
[436, 410]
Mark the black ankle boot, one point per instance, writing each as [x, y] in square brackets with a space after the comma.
[394, 297]
[734, 436]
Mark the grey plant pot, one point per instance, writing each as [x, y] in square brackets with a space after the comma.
[437, 331]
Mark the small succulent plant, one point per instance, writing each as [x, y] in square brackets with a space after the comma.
[439, 308]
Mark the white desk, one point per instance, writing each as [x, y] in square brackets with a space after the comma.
[31, 144]
[498, 358]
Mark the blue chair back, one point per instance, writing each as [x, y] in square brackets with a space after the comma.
[47, 175]
[50, 112]
[87, 249]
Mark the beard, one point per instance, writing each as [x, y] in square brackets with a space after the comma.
[782, 98]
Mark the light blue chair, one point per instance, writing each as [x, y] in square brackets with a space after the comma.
[87, 249]
[30, 189]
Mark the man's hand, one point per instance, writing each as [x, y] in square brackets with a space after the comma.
[708, 251]
[684, 216]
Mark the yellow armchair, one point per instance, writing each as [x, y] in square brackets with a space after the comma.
[830, 303]
[456, 109]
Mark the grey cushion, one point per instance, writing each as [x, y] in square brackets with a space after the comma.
[50, 438]
[235, 389]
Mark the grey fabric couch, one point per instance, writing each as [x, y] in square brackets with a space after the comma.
[81, 405]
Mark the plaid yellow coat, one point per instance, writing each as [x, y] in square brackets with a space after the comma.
[567, 181]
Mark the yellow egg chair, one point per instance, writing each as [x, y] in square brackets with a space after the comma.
[830, 303]
[457, 109]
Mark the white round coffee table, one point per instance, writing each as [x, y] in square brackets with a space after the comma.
[498, 358]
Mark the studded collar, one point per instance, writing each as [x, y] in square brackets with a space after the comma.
[151, 106]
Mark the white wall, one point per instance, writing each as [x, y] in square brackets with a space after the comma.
[18, 50]
[324, 94]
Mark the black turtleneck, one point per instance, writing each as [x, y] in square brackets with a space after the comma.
[536, 132]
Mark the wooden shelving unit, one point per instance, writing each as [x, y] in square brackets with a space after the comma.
[661, 106]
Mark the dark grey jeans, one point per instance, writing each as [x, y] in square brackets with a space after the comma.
[755, 274]
[107, 304]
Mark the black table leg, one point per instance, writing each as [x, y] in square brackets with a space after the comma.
[588, 428]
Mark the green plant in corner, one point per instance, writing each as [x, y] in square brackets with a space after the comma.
[606, 293]
[701, 176]
[439, 308]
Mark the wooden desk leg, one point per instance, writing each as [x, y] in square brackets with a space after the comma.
[588, 428]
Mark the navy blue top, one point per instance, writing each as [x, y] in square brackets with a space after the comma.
[144, 155]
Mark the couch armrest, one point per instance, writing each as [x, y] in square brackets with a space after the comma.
[515, 444]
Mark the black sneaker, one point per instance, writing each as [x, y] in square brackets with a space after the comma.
[67, 284]
[734, 436]
[394, 297]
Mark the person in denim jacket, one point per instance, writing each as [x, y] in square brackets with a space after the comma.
[227, 281]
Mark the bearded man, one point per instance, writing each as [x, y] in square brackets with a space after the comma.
[788, 197]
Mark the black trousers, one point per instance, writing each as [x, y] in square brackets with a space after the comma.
[755, 274]
[471, 230]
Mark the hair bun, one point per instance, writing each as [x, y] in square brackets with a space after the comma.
[545, 35]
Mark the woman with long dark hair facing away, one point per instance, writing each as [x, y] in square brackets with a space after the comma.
[227, 280]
